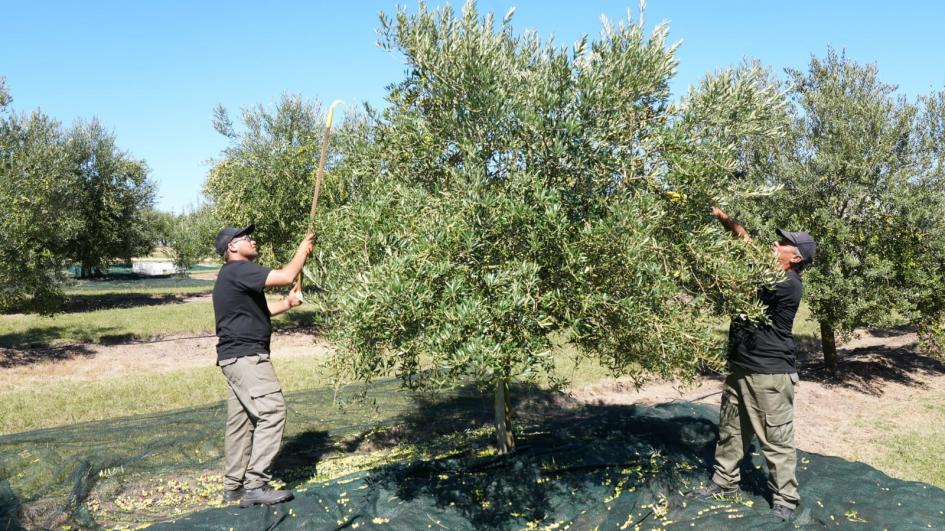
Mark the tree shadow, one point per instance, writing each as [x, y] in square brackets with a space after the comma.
[9, 509]
[42, 337]
[298, 460]
[111, 301]
[14, 357]
[565, 452]
[869, 369]
[295, 320]
[808, 348]
[892, 331]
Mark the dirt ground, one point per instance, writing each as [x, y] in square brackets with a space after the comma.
[88, 362]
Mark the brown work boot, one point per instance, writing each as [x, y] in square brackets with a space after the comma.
[265, 495]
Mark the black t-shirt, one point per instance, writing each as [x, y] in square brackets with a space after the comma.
[243, 321]
[768, 349]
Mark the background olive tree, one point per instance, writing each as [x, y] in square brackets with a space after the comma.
[190, 237]
[514, 191]
[39, 213]
[112, 193]
[267, 173]
[920, 244]
[70, 197]
[859, 175]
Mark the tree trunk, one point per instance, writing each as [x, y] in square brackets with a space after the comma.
[828, 341]
[505, 441]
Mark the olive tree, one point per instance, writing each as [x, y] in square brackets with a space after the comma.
[514, 191]
[113, 195]
[266, 174]
[39, 211]
[857, 178]
[190, 237]
[920, 245]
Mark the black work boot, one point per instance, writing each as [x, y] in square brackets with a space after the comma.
[265, 495]
[782, 512]
[230, 496]
[712, 490]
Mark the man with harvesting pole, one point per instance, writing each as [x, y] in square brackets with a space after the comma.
[758, 396]
[256, 409]
[255, 406]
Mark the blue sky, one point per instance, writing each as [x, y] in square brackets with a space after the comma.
[153, 71]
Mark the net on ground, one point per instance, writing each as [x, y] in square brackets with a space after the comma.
[400, 462]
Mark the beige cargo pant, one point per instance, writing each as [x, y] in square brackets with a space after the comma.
[255, 421]
[759, 405]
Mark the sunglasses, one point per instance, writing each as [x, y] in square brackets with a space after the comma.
[246, 237]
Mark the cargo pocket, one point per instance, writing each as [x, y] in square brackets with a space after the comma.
[779, 427]
[266, 392]
[264, 378]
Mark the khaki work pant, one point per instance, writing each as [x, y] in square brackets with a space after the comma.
[759, 405]
[255, 421]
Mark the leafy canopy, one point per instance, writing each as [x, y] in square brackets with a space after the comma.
[190, 237]
[39, 212]
[514, 191]
[113, 195]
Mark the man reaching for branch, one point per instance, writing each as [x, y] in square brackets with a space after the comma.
[256, 409]
[758, 396]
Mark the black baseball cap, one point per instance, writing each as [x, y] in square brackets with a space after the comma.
[228, 234]
[804, 242]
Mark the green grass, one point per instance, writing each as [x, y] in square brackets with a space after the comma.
[102, 326]
[45, 405]
[140, 323]
[133, 285]
[916, 454]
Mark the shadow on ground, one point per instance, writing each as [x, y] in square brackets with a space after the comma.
[110, 301]
[15, 357]
[868, 369]
[575, 466]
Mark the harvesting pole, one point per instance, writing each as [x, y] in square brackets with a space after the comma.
[318, 182]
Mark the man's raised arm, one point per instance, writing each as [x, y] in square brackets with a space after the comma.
[730, 224]
[287, 273]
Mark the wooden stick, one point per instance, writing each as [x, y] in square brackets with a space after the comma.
[318, 179]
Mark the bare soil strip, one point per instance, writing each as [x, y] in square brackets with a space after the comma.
[89, 361]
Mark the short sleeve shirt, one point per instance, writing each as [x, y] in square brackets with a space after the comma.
[769, 348]
[239, 305]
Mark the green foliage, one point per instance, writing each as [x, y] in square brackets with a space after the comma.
[4, 94]
[112, 194]
[157, 224]
[67, 196]
[190, 237]
[267, 174]
[925, 279]
[39, 211]
[861, 177]
[514, 191]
